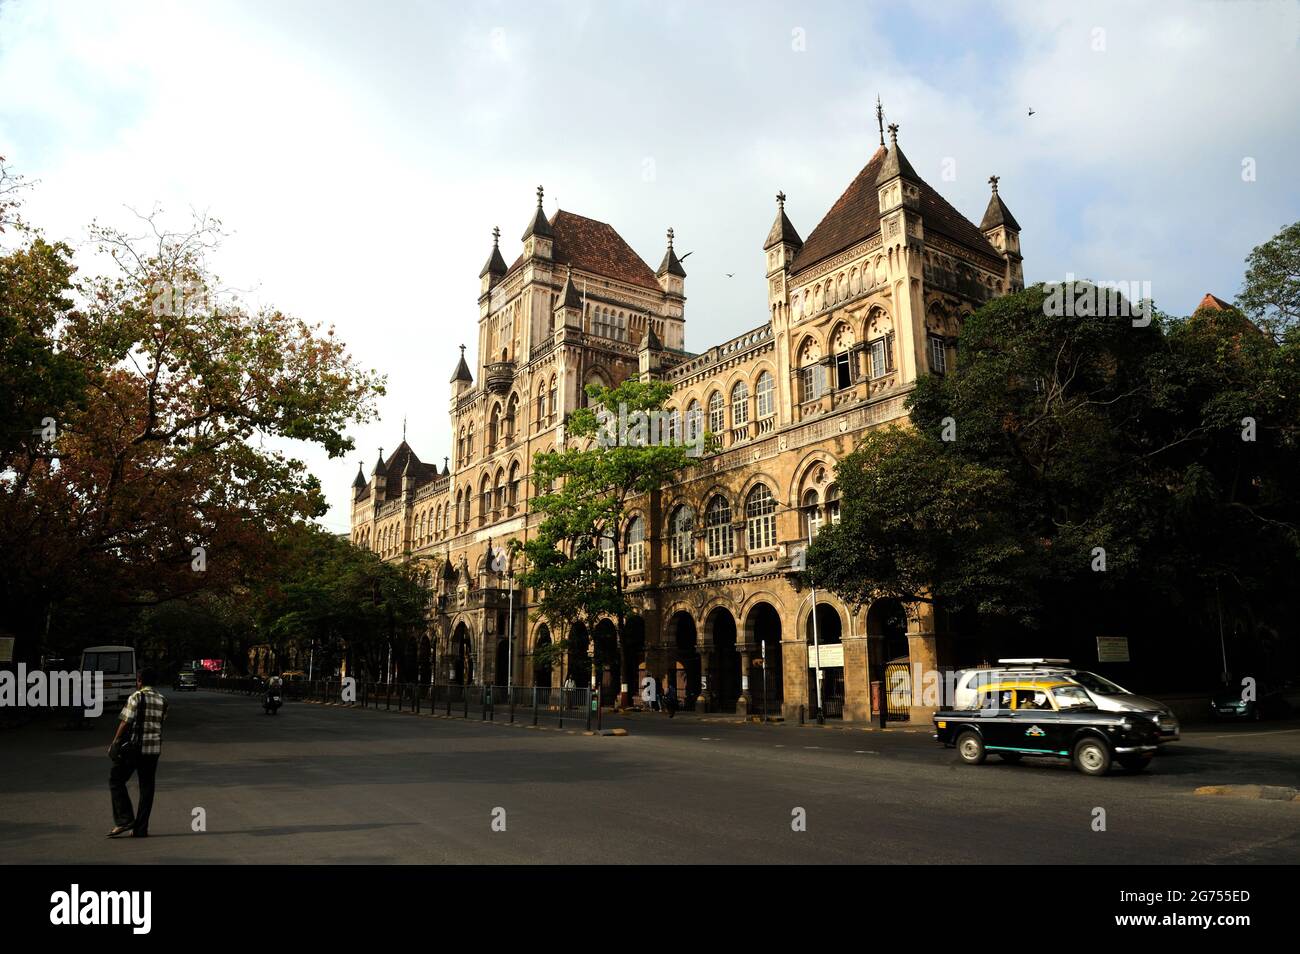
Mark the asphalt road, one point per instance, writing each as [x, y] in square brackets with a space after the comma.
[333, 785]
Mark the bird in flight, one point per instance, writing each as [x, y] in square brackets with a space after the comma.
[731, 274]
[1031, 110]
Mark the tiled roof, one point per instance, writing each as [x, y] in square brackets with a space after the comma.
[998, 214]
[595, 248]
[855, 216]
[1213, 301]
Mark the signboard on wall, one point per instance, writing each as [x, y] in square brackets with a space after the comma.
[832, 655]
[1112, 649]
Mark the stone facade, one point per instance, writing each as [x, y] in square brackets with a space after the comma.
[874, 298]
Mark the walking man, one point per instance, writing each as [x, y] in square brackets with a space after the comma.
[136, 748]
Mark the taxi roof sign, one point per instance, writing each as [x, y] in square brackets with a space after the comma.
[1034, 661]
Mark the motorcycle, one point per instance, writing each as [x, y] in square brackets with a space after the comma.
[272, 701]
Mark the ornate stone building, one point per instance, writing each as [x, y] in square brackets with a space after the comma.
[874, 298]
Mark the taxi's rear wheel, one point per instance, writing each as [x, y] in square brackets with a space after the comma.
[970, 748]
[1092, 757]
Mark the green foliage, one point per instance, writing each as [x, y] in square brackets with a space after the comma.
[584, 491]
[1075, 433]
[1272, 289]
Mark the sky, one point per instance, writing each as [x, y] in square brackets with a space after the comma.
[359, 154]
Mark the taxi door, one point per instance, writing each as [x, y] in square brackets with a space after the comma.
[1037, 723]
[997, 718]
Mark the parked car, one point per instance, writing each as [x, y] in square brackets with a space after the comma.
[1047, 716]
[1106, 695]
[1234, 703]
[187, 680]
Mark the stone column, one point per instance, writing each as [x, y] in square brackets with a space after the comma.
[744, 700]
[857, 679]
[923, 656]
[705, 697]
[794, 673]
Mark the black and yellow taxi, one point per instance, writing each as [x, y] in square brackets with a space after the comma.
[1047, 717]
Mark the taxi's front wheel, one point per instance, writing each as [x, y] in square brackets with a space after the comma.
[970, 748]
[1092, 757]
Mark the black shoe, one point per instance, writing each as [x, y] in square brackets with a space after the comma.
[139, 834]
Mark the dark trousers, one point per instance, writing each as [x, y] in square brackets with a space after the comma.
[147, 766]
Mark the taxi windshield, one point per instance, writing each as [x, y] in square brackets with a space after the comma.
[1071, 697]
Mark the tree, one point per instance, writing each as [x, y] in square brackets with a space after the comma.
[1078, 474]
[157, 483]
[575, 561]
[1272, 288]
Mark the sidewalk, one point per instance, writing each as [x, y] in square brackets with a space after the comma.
[723, 718]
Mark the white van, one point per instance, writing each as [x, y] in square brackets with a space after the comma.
[117, 663]
[1106, 695]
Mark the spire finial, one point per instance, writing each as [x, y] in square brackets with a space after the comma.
[993, 181]
[670, 236]
[496, 235]
[893, 136]
[880, 119]
[540, 192]
[780, 201]
[403, 428]
[462, 351]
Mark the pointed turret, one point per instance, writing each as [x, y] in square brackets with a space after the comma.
[782, 231]
[494, 269]
[650, 355]
[671, 275]
[671, 265]
[462, 370]
[568, 306]
[539, 225]
[895, 164]
[359, 482]
[380, 476]
[1003, 232]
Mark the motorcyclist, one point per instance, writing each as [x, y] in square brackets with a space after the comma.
[273, 691]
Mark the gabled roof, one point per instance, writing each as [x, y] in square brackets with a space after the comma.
[1213, 301]
[595, 248]
[855, 216]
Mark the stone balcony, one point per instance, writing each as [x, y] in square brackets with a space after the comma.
[498, 376]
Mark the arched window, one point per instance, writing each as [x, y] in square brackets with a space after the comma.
[485, 497]
[499, 490]
[636, 545]
[514, 484]
[760, 518]
[833, 504]
[674, 426]
[717, 418]
[552, 402]
[469, 442]
[717, 527]
[740, 404]
[765, 405]
[694, 422]
[607, 552]
[460, 446]
[812, 514]
[681, 532]
[812, 376]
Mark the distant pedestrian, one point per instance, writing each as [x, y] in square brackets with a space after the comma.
[136, 747]
[670, 699]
